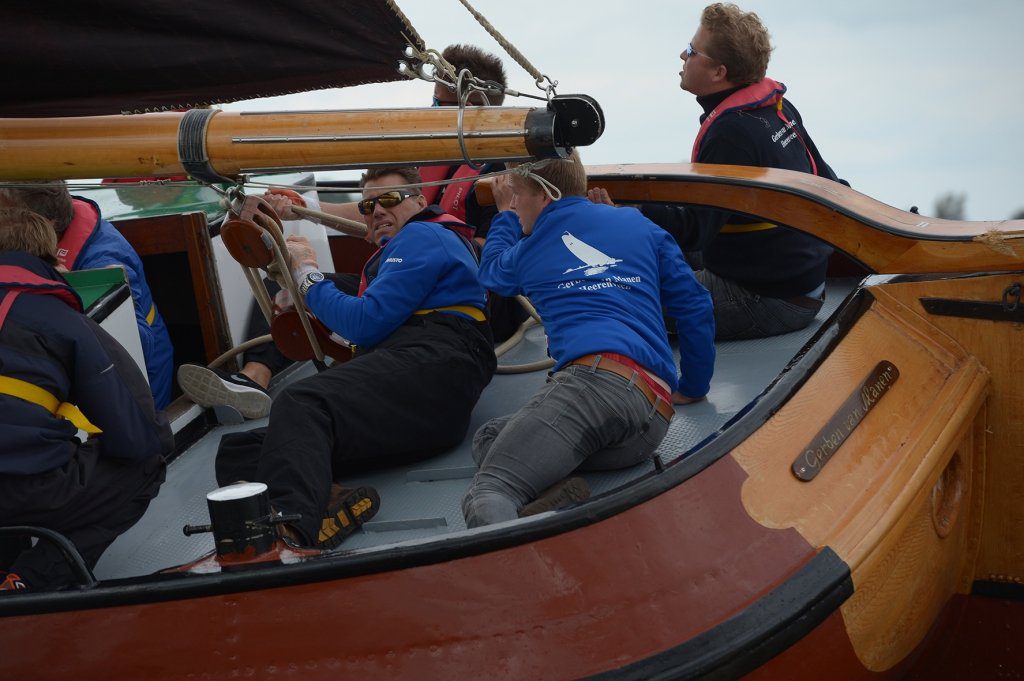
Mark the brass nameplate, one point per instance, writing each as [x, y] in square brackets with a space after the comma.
[830, 438]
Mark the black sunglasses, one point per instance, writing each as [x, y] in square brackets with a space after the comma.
[387, 200]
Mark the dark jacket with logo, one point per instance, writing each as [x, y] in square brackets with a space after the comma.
[777, 262]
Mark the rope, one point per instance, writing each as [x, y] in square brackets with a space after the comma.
[516, 55]
[232, 198]
[517, 337]
[239, 349]
[996, 240]
[525, 170]
[337, 223]
[444, 73]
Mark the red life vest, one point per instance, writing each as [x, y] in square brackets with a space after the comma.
[453, 198]
[83, 224]
[445, 220]
[16, 280]
[765, 92]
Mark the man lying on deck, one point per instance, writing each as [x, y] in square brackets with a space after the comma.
[246, 389]
[424, 354]
[599, 277]
[458, 198]
[62, 377]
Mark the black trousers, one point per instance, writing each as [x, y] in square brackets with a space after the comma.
[91, 500]
[504, 315]
[409, 398]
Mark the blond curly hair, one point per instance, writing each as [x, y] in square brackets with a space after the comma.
[739, 40]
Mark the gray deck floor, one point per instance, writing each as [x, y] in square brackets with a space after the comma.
[423, 500]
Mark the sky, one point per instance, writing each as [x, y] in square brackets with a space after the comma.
[906, 99]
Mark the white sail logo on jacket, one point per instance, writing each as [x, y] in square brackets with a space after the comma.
[594, 261]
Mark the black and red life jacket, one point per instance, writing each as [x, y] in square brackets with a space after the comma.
[17, 280]
[765, 92]
[452, 196]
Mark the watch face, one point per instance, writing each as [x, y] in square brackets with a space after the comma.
[311, 278]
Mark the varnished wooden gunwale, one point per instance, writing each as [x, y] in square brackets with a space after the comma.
[883, 238]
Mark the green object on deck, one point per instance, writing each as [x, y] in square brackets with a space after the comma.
[92, 285]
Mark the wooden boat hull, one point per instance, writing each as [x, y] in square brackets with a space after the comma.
[685, 574]
[726, 563]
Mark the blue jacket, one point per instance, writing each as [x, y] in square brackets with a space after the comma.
[599, 277]
[424, 266]
[106, 246]
[49, 344]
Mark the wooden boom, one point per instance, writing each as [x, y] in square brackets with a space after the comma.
[210, 145]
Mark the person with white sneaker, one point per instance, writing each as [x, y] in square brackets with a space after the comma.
[421, 335]
[245, 390]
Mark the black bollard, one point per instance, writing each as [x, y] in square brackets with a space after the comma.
[241, 519]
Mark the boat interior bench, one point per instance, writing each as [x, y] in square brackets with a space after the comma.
[424, 499]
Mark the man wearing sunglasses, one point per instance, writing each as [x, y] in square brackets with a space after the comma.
[246, 390]
[765, 279]
[459, 198]
[418, 323]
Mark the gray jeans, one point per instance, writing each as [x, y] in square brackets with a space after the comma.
[582, 418]
[741, 314]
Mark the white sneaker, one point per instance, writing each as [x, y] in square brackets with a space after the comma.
[213, 387]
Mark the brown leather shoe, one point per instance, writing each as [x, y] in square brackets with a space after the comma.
[560, 495]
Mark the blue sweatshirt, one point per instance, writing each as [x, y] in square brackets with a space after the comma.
[424, 266]
[108, 247]
[599, 276]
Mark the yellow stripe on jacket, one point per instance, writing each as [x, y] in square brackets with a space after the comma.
[23, 390]
[464, 309]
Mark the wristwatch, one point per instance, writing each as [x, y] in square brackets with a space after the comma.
[313, 277]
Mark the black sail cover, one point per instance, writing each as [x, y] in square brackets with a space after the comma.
[90, 58]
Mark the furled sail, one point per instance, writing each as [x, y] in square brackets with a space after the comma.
[122, 56]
